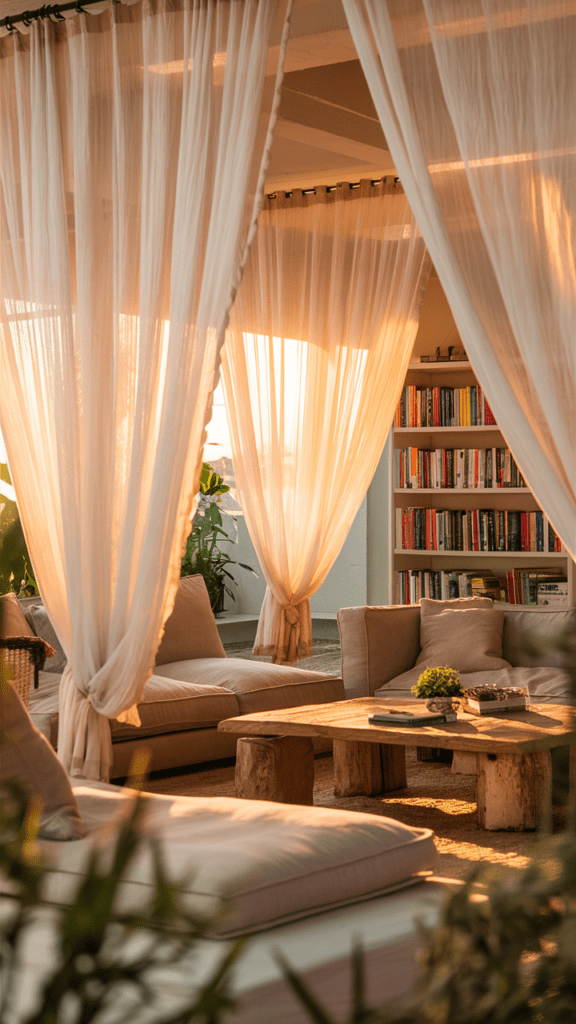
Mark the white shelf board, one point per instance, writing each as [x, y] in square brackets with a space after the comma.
[463, 490]
[446, 365]
[481, 428]
[510, 555]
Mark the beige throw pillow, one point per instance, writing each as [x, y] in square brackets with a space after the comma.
[469, 640]
[13, 622]
[191, 630]
[431, 607]
[27, 757]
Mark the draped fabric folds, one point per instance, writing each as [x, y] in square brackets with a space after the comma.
[134, 146]
[476, 99]
[319, 339]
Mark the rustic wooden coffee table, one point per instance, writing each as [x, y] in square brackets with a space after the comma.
[513, 760]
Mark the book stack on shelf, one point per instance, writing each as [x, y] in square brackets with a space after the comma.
[467, 468]
[443, 407]
[483, 529]
[541, 587]
[459, 494]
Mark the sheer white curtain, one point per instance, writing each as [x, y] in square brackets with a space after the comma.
[319, 339]
[477, 100]
[133, 150]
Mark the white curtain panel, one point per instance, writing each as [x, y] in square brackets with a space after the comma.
[477, 99]
[134, 147]
[319, 339]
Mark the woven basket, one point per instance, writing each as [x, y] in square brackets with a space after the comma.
[21, 657]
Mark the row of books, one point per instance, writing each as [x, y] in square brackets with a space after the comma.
[456, 467]
[518, 586]
[431, 529]
[443, 407]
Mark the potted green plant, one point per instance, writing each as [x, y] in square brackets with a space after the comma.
[204, 552]
[438, 685]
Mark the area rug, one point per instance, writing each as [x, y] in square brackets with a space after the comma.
[434, 797]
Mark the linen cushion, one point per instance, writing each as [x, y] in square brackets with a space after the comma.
[190, 630]
[13, 622]
[428, 606]
[469, 640]
[539, 626]
[544, 685]
[169, 705]
[27, 757]
[274, 863]
[259, 685]
[44, 628]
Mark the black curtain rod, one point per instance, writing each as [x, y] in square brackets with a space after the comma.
[48, 11]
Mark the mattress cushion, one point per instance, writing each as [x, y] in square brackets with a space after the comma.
[259, 685]
[260, 863]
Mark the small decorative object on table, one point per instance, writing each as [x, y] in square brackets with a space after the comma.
[489, 699]
[439, 685]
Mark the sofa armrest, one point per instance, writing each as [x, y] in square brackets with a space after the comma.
[378, 643]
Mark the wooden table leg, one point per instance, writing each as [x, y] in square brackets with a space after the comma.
[367, 768]
[279, 768]
[393, 758]
[514, 791]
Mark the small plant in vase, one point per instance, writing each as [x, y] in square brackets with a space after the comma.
[438, 686]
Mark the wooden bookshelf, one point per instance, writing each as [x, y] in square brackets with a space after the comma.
[518, 499]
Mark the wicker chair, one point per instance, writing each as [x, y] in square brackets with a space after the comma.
[24, 657]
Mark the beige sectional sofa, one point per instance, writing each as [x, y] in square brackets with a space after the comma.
[382, 651]
[193, 688]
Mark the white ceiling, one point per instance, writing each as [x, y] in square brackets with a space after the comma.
[327, 129]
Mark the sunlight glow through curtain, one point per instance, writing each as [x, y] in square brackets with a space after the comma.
[476, 99]
[128, 197]
[319, 339]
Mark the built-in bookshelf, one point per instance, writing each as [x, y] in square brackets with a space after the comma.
[463, 521]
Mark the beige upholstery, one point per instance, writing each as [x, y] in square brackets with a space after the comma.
[428, 606]
[274, 862]
[191, 630]
[27, 758]
[187, 696]
[259, 685]
[467, 639]
[377, 643]
[13, 622]
[380, 646]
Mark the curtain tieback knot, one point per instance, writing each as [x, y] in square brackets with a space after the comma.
[291, 614]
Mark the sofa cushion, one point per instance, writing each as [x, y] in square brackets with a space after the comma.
[544, 685]
[190, 630]
[13, 622]
[428, 606]
[469, 640]
[26, 757]
[267, 863]
[259, 685]
[169, 705]
[44, 628]
[540, 627]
